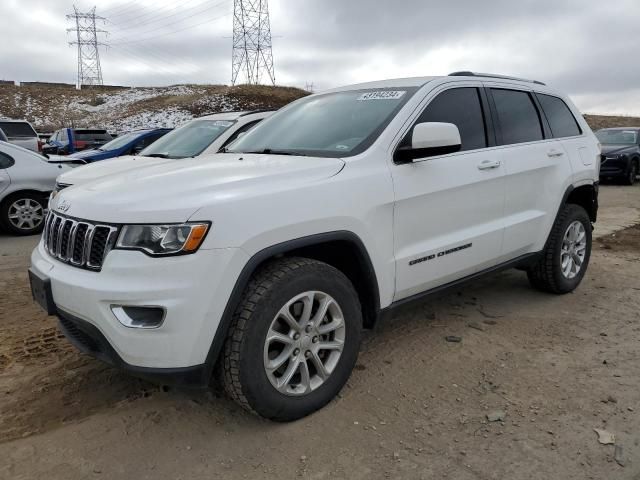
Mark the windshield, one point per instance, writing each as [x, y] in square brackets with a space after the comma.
[337, 124]
[120, 141]
[189, 140]
[617, 137]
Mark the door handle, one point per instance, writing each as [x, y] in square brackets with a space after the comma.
[554, 153]
[489, 164]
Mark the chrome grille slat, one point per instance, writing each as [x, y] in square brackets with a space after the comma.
[88, 238]
[70, 243]
[73, 241]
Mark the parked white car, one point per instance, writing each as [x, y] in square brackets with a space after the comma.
[21, 133]
[201, 136]
[269, 260]
[26, 180]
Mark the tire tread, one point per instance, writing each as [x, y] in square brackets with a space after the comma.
[259, 285]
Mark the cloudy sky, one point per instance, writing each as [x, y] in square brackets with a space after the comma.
[588, 48]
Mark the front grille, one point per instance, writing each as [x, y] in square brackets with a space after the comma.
[79, 243]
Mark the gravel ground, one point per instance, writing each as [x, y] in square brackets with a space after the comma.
[547, 370]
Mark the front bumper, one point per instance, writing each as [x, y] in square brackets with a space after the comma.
[87, 338]
[613, 167]
[193, 289]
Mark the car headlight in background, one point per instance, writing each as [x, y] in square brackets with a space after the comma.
[163, 239]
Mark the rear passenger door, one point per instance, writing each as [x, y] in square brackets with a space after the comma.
[6, 161]
[536, 168]
[448, 209]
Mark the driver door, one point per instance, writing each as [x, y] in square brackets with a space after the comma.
[449, 208]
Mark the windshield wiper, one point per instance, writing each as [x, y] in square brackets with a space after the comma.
[271, 151]
[157, 155]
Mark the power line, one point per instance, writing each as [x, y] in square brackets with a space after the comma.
[125, 10]
[167, 33]
[89, 70]
[252, 50]
[162, 27]
[153, 17]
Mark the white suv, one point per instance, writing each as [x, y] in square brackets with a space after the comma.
[267, 261]
[198, 137]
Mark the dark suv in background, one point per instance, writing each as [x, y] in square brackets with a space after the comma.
[620, 153]
[70, 140]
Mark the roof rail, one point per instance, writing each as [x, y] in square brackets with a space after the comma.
[492, 75]
[251, 112]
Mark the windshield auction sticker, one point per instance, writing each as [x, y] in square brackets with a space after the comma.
[382, 95]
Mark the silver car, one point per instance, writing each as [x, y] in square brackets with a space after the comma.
[26, 180]
[21, 133]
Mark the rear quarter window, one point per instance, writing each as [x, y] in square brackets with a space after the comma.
[560, 118]
[17, 129]
[6, 160]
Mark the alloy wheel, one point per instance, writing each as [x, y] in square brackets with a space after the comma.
[304, 343]
[573, 250]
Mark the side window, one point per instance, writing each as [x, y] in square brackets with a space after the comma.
[6, 161]
[560, 118]
[518, 116]
[145, 142]
[463, 108]
[240, 131]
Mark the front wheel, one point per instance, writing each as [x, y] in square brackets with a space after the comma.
[294, 339]
[632, 174]
[566, 255]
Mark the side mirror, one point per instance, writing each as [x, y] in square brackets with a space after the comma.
[428, 140]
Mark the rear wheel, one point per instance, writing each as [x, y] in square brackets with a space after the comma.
[566, 255]
[633, 173]
[23, 213]
[294, 339]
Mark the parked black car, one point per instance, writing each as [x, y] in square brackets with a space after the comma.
[620, 153]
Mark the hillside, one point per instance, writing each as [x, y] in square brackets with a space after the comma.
[596, 122]
[123, 109]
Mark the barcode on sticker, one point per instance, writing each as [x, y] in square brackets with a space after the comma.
[382, 95]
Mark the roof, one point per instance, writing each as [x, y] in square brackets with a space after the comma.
[233, 115]
[11, 120]
[421, 81]
[395, 82]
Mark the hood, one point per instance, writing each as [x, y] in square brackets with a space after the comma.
[92, 153]
[98, 170]
[617, 149]
[84, 153]
[164, 191]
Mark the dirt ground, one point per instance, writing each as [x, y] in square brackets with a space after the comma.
[554, 368]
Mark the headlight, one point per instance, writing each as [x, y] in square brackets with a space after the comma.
[163, 239]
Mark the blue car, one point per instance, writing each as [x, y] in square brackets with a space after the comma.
[130, 143]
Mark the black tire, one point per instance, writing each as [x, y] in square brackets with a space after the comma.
[5, 206]
[546, 274]
[243, 370]
[632, 173]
